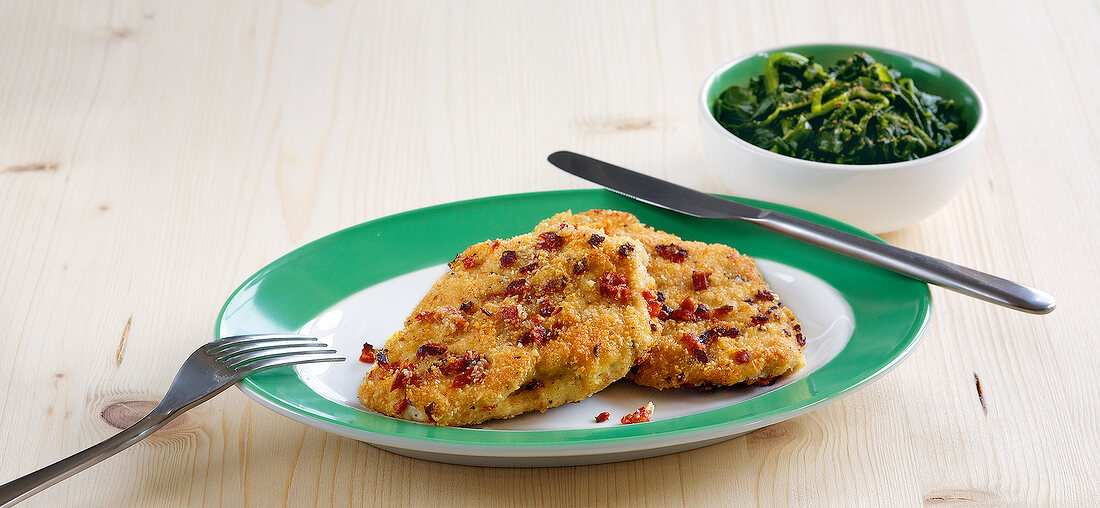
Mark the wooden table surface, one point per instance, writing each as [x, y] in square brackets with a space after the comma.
[155, 154]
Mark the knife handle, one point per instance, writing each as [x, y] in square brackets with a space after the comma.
[958, 278]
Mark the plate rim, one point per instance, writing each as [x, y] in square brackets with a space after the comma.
[638, 436]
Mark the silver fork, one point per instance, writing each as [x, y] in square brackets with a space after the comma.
[207, 372]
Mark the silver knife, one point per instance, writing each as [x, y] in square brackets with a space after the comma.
[928, 269]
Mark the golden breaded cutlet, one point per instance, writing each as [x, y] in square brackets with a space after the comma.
[721, 324]
[517, 325]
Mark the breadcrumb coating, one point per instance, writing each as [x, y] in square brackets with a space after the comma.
[517, 325]
[721, 324]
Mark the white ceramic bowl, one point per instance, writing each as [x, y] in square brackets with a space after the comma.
[874, 197]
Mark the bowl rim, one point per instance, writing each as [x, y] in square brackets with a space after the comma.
[712, 122]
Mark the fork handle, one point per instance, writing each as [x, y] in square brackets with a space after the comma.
[30, 484]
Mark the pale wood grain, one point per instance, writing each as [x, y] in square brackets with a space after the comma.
[154, 154]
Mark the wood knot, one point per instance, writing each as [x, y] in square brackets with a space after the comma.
[772, 432]
[125, 413]
[632, 125]
[32, 166]
[185, 428]
[964, 497]
[119, 32]
[617, 125]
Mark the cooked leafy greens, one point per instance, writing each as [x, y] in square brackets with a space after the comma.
[857, 112]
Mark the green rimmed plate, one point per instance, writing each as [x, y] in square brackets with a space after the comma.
[359, 284]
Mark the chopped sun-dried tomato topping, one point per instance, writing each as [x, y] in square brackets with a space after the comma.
[468, 368]
[763, 294]
[614, 286]
[742, 357]
[529, 267]
[693, 346]
[400, 406]
[595, 240]
[507, 258]
[643, 414]
[554, 285]
[602, 417]
[672, 252]
[719, 331]
[625, 249]
[580, 266]
[517, 287]
[474, 373]
[510, 313]
[699, 280]
[431, 349]
[406, 375]
[723, 310]
[652, 303]
[469, 262]
[547, 309]
[532, 385]
[550, 241]
[466, 306]
[538, 335]
[367, 356]
[686, 312]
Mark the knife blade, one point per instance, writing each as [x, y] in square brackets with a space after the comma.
[670, 196]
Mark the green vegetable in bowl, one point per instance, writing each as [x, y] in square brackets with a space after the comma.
[856, 112]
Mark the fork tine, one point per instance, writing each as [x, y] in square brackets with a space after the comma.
[240, 360]
[289, 360]
[225, 342]
[236, 349]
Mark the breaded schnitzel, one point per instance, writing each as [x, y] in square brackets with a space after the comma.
[516, 325]
[721, 325]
